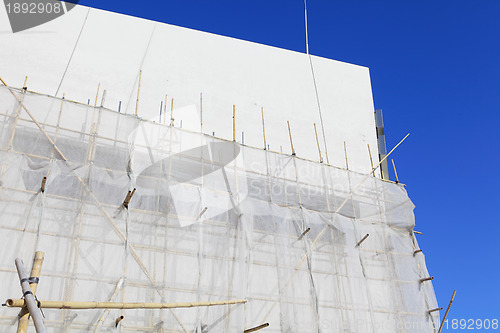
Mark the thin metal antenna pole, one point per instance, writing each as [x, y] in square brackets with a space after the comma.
[305, 17]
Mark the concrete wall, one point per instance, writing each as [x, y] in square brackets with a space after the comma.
[183, 63]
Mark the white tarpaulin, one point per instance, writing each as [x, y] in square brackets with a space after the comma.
[210, 220]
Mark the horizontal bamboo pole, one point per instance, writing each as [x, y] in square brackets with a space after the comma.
[19, 303]
[430, 278]
[434, 310]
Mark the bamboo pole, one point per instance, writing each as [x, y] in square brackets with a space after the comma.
[165, 110]
[371, 159]
[22, 325]
[263, 128]
[345, 154]
[304, 233]
[395, 172]
[97, 94]
[417, 251]
[19, 303]
[417, 232]
[290, 134]
[117, 320]
[430, 278]
[29, 299]
[317, 142]
[103, 97]
[172, 113]
[201, 112]
[24, 84]
[44, 181]
[362, 240]
[447, 310]
[256, 328]
[434, 310]
[138, 94]
[234, 122]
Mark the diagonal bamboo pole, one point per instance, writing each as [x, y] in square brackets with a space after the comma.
[18, 303]
[29, 300]
[22, 326]
[447, 310]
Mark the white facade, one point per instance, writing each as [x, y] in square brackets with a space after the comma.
[183, 63]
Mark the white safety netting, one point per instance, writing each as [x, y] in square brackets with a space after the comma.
[210, 220]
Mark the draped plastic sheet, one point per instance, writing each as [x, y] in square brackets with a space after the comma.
[210, 220]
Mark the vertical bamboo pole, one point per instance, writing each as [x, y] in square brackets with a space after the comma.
[201, 112]
[263, 128]
[371, 159]
[24, 84]
[234, 122]
[97, 94]
[395, 172]
[447, 310]
[165, 110]
[138, 93]
[327, 160]
[172, 113]
[22, 326]
[317, 142]
[290, 134]
[103, 97]
[345, 153]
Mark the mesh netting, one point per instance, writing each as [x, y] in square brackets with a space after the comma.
[210, 220]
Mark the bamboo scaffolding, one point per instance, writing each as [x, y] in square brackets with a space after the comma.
[109, 219]
[24, 84]
[29, 298]
[447, 310]
[23, 316]
[19, 303]
[138, 94]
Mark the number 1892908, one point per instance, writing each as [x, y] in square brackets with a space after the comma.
[34, 8]
[471, 324]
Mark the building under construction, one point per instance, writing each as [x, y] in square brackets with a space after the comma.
[178, 181]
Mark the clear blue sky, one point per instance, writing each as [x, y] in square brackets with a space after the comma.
[435, 70]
